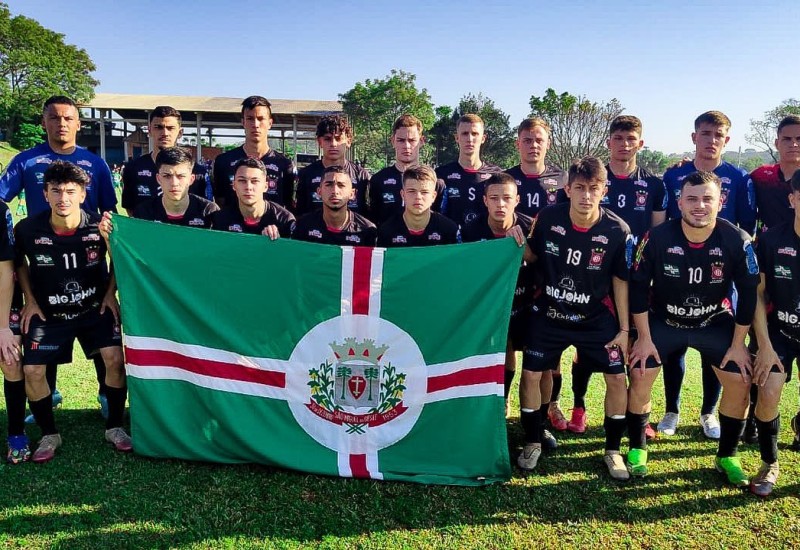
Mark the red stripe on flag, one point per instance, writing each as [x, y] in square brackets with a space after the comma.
[216, 369]
[358, 466]
[362, 267]
[466, 377]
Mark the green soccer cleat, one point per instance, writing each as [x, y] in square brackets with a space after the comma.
[637, 462]
[731, 466]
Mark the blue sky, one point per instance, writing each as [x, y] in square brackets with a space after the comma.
[666, 62]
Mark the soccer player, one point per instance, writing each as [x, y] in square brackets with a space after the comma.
[334, 137]
[61, 261]
[257, 121]
[692, 263]
[738, 207]
[252, 213]
[139, 182]
[582, 252]
[418, 225]
[336, 223]
[463, 179]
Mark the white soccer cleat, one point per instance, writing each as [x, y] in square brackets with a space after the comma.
[710, 425]
[669, 423]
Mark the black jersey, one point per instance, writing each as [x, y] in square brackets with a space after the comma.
[68, 272]
[139, 182]
[537, 190]
[691, 282]
[463, 190]
[7, 234]
[772, 196]
[280, 176]
[358, 231]
[199, 213]
[307, 199]
[230, 219]
[634, 197]
[440, 230]
[778, 260]
[576, 265]
[384, 194]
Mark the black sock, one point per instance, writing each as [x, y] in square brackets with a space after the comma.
[507, 380]
[768, 438]
[51, 374]
[116, 406]
[556, 393]
[730, 430]
[636, 425]
[580, 384]
[711, 389]
[543, 415]
[674, 369]
[100, 369]
[532, 425]
[614, 427]
[43, 413]
[15, 406]
[753, 400]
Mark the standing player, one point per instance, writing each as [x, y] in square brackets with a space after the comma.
[139, 177]
[335, 223]
[462, 180]
[418, 225]
[582, 252]
[257, 121]
[692, 264]
[69, 294]
[334, 137]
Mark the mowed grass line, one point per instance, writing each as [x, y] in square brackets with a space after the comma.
[92, 497]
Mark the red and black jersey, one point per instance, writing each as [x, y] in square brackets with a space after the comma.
[576, 265]
[778, 260]
[691, 282]
[68, 272]
[358, 231]
[307, 199]
[384, 194]
[440, 230]
[463, 190]
[537, 190]
[230, 219]
[199, 213]
[634, 197]
[139, 182]
[772, 196]
[280, 176]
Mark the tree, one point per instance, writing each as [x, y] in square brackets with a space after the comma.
[374, 105]
[440, 137]
[35, 64]
[28, 135]
[655, 162]
[764, 131]
[580, 126]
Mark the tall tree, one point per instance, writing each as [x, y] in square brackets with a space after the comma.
[580, 126]
[372, 107]
[440, 137]
[764, 131]
[655, 162]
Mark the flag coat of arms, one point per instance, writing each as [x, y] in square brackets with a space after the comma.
[355, 362]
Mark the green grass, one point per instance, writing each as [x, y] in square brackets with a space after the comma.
[92, 497]
[7, 152]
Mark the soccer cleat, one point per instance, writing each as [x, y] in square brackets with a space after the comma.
[616, 466]
[121, 440]
[796, 429]
[637, 462]
[577, 422]
[669, 423]
[47, 448]
[750, 433]
[765, 479]
[731, 466]
[649, 433]
[529, 457]
[710, 425]
[103, 400]
[556, 417]
[549, 442]
[18, 449]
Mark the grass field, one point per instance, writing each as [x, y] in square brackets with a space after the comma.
[92, 497]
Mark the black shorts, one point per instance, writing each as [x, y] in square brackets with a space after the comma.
[47, 341]
[711, 341]
[548, 340]
[787, 349]
[518, 328]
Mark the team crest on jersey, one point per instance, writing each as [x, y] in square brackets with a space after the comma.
[551, 196]
[641, 199]
[614, 356]
[600, 239]
[43, 240]
[596, 258]
[787, 251]
[272, 184]
[92, 256]
[434, 237]
[717, 272]
[677, 250]
[782, 272]
[558, 229]
[723, 197]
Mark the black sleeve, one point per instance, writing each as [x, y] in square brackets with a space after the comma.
[128, 187]
[641, 276]
[375, 200]
[289, 180]
[622, 259]
[286, 222]
[220, 184]
[199, 184]
[361, 194]
[746, 278]
[301, 202]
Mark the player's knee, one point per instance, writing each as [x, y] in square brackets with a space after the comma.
[34, 373]
[12, 372]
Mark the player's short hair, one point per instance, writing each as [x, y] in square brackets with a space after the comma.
[61, 171]
[254, 101]
[58, 100]
[795, 181]
[716, 118]
[419, 173]
[335, 169]
[164, 111]
[701, 177]
[469, 118]
[407, 121]
[587, 169]
[250, 163]
[788, 120]
[335, 125]
[625, 123]
[532, 122]
[499, 179]
[173, 156]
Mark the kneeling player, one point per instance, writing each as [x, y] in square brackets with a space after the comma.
[68, 294]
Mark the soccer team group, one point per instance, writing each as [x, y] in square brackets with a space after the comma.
[629, 268]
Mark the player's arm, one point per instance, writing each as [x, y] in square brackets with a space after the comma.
[106, 195]
[11, 180]
[639, 304]
[747, 279]
[128, 190]
[361, 193]
[766, 357]
[440, 202]
[9, 343]
[620, 289]
[746, 204]
[31, 306]
[302, 202]
[657, 218]
[375, 200]
[289, 180]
